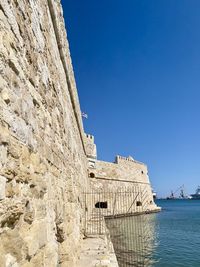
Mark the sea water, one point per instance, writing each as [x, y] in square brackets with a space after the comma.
[170, 238]
[178, 234]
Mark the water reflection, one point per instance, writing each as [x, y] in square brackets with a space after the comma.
[134, 239]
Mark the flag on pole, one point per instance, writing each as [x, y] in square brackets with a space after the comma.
[84, 115]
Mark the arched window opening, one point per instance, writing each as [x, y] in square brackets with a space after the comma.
[92, 175]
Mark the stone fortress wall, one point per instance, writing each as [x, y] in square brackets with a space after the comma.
[45, 157]
[114, 180]
[43, 166]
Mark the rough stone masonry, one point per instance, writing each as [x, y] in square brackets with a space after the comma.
[43, 149]
[43, 167]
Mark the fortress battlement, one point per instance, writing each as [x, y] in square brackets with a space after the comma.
[90, 138]
[121, 159]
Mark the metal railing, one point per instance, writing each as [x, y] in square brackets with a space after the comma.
[123, 213]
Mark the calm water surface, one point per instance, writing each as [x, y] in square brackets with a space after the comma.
[178, 234]
[170, 238]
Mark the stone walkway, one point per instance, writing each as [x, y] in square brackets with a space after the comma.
[97, 251]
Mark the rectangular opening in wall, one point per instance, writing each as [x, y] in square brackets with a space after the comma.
[101, 205]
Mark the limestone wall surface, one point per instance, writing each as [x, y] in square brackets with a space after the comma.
[132, 171]
[124, 175]
[43, 167]
[90, 146]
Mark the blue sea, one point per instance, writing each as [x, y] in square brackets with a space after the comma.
[177, 229]
[170, 238]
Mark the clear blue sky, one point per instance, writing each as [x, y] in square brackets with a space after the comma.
[137, 68]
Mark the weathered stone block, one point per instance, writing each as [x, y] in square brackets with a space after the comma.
[2, 187]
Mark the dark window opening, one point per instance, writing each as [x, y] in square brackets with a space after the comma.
[92, 175]
[138, 203]
[101, 205]
[142, 172]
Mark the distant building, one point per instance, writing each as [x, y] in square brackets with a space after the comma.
[124, 174]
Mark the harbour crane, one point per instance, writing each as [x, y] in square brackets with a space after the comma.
[173, 193]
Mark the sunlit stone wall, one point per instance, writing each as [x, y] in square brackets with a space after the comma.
[43, 167]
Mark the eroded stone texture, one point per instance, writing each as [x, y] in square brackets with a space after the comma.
[43, 167]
